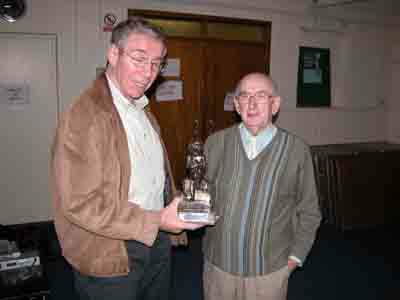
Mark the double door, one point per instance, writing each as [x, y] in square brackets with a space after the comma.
[209, 70]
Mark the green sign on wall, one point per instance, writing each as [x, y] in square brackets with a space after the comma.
[313, 80]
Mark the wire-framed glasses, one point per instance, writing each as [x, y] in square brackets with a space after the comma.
[259, 97]
[141, 60]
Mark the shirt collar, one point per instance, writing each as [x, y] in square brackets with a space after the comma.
[122, 101]
[261, 140]
[262, 135]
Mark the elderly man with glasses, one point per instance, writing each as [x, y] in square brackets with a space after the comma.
[263, 187]
[111, 173]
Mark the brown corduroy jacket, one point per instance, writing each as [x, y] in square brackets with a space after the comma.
[90, 168]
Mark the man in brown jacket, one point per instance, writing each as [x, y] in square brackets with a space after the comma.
[110, 173]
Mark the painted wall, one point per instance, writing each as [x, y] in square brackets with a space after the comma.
[392, 85]
[364, 88]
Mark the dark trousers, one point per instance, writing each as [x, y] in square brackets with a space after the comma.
[149, 278]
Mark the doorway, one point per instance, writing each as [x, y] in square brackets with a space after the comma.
[28, 115]
[213, 54]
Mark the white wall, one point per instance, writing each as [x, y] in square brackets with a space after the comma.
[392, 84]
[361, 110]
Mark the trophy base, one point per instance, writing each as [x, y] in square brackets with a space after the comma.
[204, 218]
[196, 212]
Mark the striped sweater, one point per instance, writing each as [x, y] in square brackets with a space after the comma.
[268, 205]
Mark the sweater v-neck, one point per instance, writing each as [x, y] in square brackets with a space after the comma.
[263, 152]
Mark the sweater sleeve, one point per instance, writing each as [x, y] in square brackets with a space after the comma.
[213, 149]
[307, 215]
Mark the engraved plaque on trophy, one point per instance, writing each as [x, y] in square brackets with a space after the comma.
[196, 203]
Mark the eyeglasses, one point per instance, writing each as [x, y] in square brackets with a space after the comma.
[139, 60]
[259, 97]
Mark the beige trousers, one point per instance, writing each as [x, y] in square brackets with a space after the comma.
[219, 285]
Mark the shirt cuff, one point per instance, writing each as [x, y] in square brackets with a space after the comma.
[297, 260]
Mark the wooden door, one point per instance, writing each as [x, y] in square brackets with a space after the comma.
[176, 118]
[227, 62]
[208, 69]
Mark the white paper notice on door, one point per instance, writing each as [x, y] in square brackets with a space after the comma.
[170, 90]
[228, 101]
[172, 68]
[14, 94]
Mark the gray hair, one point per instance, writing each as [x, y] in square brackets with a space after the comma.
[139, 25]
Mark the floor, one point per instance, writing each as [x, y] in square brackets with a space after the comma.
[351, 264]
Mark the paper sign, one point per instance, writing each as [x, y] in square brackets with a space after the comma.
[170, 90]
[228, 102]
[172, 68]
[14, 94]
[109, 21]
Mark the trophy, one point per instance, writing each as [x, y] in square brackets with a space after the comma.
[196, 203]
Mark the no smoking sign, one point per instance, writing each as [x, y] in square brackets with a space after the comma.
[109, 22]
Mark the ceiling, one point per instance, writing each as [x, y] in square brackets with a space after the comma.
[381, 7]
